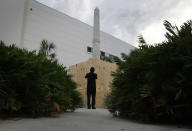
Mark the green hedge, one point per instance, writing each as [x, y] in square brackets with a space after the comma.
[30, 83]
[154, 82]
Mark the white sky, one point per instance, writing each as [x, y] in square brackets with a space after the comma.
[126, 19]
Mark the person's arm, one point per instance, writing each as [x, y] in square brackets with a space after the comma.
[86, 76]
[95, 76]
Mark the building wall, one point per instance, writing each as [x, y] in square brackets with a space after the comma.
[70, 35]
[11, 20]
[27, 25]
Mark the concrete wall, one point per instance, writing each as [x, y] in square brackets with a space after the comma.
[27, 25]
[103, 82]
[11, 20]
[70, 35]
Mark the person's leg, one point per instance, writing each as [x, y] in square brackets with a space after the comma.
[88, 100]
[93, 100]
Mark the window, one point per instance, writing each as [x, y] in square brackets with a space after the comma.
[89, 49]
[102, 53]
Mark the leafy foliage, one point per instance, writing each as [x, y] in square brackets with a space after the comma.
[47, 50]
[154, 83]
[34, 83]
[112, 59]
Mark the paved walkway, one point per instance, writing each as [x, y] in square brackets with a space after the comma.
[82, 120]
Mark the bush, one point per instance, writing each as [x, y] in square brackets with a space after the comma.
[31, 83]
[154, 83]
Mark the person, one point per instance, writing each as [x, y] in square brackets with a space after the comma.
[91, 87]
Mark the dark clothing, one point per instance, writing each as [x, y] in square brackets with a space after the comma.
[91, 88]
[89, 95]
[91, 82]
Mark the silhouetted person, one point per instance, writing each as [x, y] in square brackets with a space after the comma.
[91, 87]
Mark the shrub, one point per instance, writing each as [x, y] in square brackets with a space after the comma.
[154, 82]
[32, 83]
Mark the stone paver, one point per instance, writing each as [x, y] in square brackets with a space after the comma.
[82, 120]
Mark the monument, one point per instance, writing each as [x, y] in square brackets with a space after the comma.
[96, 34]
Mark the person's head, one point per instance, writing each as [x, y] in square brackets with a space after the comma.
[92, 69]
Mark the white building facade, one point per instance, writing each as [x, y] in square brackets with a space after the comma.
[27, 22]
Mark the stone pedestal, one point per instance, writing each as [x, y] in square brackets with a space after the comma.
[103, 70]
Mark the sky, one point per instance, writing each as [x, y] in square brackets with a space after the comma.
[126, 19]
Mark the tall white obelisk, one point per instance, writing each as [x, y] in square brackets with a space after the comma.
[96, 35]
